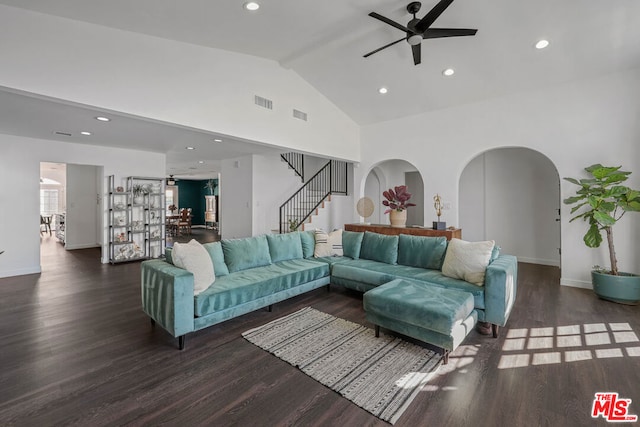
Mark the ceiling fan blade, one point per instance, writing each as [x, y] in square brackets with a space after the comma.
[384, 47]
[434, 33]
[390, 22]
[433, 14]
[417, 50]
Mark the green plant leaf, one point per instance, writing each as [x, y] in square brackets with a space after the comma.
[600, 172]
[604, 219]
[593, 238]
[572, 180]
[607, 207]
[575, 208]
[573, 199]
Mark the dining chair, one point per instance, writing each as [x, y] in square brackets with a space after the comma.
[185, 221]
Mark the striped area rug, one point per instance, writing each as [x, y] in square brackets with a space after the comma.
[381, 375]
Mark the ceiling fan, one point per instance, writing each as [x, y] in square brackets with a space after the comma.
[418, 29]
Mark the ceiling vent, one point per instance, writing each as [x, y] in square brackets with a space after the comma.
[62, 133]
[299, 114]
[263, 102]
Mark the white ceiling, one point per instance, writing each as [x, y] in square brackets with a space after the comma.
[323, 41]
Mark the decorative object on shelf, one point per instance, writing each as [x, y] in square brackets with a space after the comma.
[211, 185]
[172, 208]
[119, 190]
[121, 220]
[365, 208]
[604, 201]
[437, 204]
[120, 206]
[397, 202]
[139, 191]
[138, 225]
[122, 237]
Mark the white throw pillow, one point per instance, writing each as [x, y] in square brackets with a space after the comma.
[194, 258]
[328, 244]
[467, 260]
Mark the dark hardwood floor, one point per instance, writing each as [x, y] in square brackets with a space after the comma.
[78, 350]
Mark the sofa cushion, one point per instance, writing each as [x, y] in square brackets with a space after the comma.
[421, 251]
[308, 240]
[377, 273]
[283, 247]
[352, 243]
[194, 258]
[241, 254]
[467, 260]
[379, 247]
[248, 285]
[328, 244]
[217, 256]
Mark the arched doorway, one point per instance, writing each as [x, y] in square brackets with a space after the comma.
[389, 174]
[512, 196]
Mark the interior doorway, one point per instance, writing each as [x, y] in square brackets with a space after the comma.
[512, 196]
[71, 203]
[389, 174]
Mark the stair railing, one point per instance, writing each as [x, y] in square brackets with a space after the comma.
[331, 179]
[295, 162]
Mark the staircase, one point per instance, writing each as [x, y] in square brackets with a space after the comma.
[298, 209]
[295, 162]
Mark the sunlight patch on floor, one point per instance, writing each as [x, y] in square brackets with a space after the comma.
[552, 345]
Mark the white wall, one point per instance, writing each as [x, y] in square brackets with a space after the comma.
[204, 88]
[511, 195]
[574, 125]
[20, 166]
[273, 184]
[373, 189]
[236, 197]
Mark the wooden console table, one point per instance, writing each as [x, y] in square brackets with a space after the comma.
[387, 229]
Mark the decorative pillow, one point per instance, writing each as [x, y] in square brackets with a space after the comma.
[495, 253]
[167, 255]
[467, 260]
[328, 244]
[308, 240]
[421, 251]
[194, 257]
[286, 246]
[217, 256]
[241, 254]
[351, 243]
[380, 247]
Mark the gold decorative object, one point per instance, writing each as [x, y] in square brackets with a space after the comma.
[437, 204]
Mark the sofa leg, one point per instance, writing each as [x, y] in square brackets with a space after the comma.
[270, 307]
[377, 328]
[153, 322]
[181, 342]
[495, 329]
[445, 356]
[329, 287]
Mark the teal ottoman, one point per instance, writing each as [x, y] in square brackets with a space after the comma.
[430, 313]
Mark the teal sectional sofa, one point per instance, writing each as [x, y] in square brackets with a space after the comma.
[259, 271]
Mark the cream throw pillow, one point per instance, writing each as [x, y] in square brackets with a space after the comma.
[194, 258]
[328, 244]
[467, 260]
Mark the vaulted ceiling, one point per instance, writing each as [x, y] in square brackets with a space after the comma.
[324, 41]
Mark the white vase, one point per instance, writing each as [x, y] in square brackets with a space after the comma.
[398, 218]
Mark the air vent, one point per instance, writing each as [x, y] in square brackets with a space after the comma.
[62, 133]
[299, 114]
[264, 102]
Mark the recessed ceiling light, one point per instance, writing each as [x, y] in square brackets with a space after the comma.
[541, 44]
[217, 140]
[85, 133]
[383, 90]
[201, 161]
[251, 5]
[189, 148]
[448, 72]
[103, 119]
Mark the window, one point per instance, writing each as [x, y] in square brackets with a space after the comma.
[171, 196]
[48, 202]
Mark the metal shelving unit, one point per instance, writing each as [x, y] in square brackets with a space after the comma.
[136, 219]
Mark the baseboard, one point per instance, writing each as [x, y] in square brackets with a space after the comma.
[540, 261]
[575, 283]
[21, 271]
[69, 247]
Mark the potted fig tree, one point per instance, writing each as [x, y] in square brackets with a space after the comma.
[601, 201]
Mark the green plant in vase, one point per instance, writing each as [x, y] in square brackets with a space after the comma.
[602, 201]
